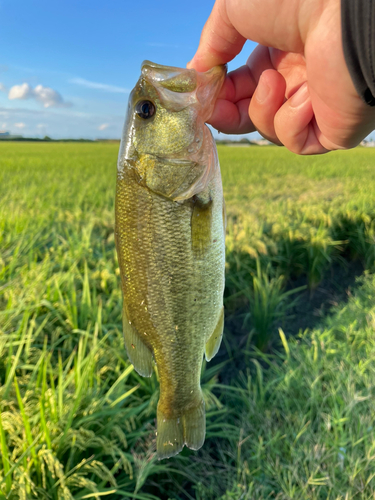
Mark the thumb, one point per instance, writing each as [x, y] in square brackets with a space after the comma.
[220, 42]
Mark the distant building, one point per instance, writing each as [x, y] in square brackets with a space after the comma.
[243, 142]
[4, 135]
[262, 142]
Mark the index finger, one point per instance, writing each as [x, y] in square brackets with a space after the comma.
[220, 42]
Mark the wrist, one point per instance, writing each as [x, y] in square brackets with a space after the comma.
[319, 15]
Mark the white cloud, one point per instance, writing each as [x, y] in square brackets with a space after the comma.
[49, 97]
[99, 86]
[20, 125]
[60, 122]
[103, 126]
[45, 95]
[23, 91]
[41, 125]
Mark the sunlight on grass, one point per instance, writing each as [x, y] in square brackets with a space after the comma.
[286, 417]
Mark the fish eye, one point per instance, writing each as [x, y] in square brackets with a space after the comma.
[145, 109]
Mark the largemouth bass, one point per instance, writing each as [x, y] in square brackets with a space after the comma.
[170, 228]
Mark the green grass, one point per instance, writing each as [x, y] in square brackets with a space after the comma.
[296, 418]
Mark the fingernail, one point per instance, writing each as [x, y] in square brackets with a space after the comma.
[299, 97]
[262, 91]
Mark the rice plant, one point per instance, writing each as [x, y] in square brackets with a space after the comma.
[77, 422]
[268, 303]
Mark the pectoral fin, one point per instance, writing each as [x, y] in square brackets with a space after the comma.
[213, 343]
[201, 222]
[139, 354]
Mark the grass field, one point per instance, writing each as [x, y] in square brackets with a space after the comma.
[289, 415]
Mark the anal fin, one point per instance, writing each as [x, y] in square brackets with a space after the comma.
[213, 343]
[139, 354]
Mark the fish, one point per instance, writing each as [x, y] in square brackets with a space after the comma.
[170, 240]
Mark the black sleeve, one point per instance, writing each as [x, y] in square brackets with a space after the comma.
[358, 38]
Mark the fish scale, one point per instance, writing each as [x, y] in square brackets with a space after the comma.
[171, 249]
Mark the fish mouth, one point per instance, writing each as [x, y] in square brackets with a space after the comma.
[180, 80]
[197, 88]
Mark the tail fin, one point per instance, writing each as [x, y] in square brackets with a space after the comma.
[173, 433]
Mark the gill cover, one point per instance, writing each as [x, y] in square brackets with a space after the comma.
[165, 138]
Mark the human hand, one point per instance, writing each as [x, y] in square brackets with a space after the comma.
[295, 88]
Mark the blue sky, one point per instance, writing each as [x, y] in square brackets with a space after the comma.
[66, 67]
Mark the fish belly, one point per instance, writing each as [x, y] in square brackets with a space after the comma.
[173, 296]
